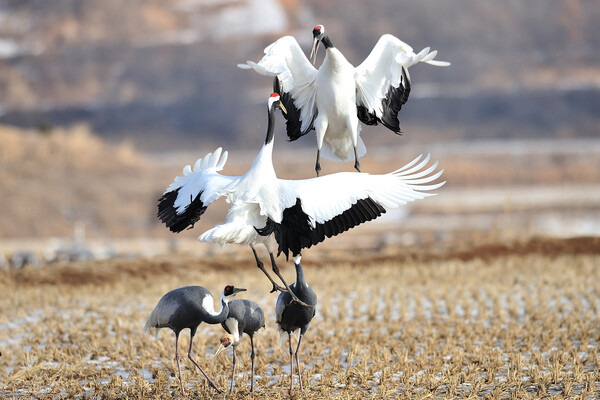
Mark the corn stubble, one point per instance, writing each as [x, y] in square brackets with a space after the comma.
[522, 327]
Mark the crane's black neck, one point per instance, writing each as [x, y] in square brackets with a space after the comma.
[271, 125]
[221, 316]
[326, 42]
[300, 281]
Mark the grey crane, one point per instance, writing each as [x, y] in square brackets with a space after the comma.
[293, 318]
[245, 316]
[188, 307]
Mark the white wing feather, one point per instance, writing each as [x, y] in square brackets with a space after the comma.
[203, 177]
[383, 68]
[325, 197]
[285, 59]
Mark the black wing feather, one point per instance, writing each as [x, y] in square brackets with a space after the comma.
[392, 104]
[167, 212]
[295, 232]
[293, 124]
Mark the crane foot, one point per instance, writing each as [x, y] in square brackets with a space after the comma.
[299, 302]
[278, 288]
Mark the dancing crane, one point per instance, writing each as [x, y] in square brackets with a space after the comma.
[294, 319]
[335, 97]
[245, 316]
[297, 214]
[188, 307]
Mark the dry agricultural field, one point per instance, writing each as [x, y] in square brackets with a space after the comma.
[513, 321]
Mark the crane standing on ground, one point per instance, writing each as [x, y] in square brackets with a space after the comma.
[245, 316]
[188, 307]
[294, 319]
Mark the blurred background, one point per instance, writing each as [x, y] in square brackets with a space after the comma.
[103, 102]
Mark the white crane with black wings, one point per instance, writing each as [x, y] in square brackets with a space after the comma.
[333, 98]
[290, 214]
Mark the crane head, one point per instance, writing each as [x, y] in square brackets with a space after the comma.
[275, 100]
[231, 291]
[318, 34]
[226, 341]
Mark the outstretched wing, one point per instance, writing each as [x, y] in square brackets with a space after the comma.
[295, 82]
[329, 205]
[383, 81]
[186, 199]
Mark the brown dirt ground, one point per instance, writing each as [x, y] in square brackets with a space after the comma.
[498, 320]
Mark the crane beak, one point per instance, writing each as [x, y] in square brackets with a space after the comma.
[313, 52]
[283, 109]
[220, 349]
[237, 290]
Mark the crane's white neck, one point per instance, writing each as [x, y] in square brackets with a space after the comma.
[209, 306]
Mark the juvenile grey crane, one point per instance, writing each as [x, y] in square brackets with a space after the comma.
[245, 316]
[188, 307]
[333, 98]
[293, 318]
[294, 214]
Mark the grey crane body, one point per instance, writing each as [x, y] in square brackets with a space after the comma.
[249, 316]
[182, 308]
[245, 316]
[188, 307]
[294, 318]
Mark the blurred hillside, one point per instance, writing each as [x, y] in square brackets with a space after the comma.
[163, 72]
[53, 184]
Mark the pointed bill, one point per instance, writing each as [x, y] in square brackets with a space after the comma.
[313, 52]
[220, 349]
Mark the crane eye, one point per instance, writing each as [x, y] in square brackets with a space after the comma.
[228, 290]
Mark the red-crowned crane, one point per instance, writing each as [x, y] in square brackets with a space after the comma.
[188, 307]
[335, 97]
[294, 319]
[297, 214]
[245, 316]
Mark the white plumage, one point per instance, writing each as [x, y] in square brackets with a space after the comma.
[335, 97]
[296, 213]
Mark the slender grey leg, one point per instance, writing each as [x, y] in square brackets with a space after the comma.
[318, 163]
[295, 298]
[210, 381]
[298, 363]
[262, 268]
[356, 163]
[252, 359]
[178, 362]
[291, 363]
[233, 371]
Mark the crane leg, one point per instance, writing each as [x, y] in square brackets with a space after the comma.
[356, 163]
[320, 125]
[298, 363]
[210, 381]
[177, 358]
[291, 363]
[252, 368]
[233, 371]
[295, 298]
[261, 266]
[318, 163]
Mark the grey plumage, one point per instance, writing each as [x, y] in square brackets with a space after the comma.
[293, 318]
[245, 316]
[188, 307]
